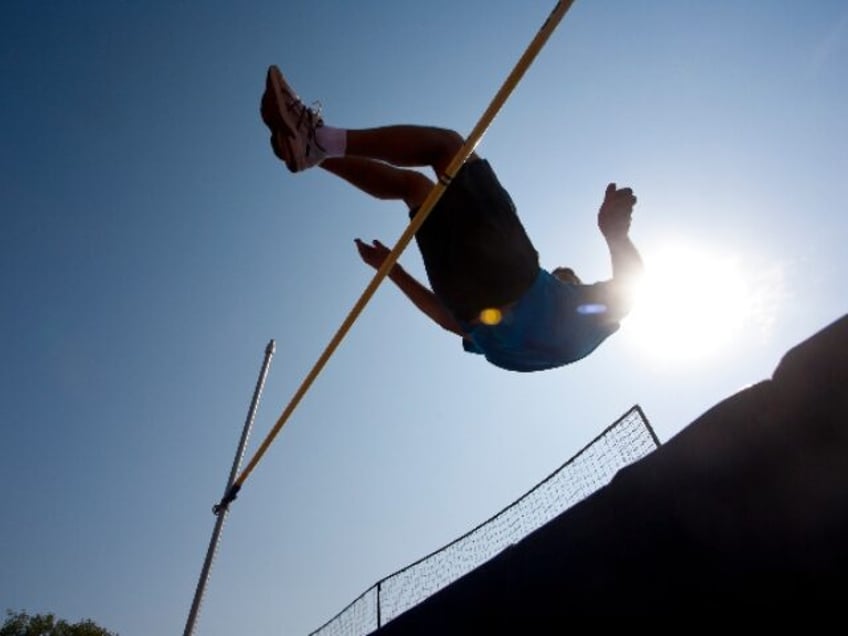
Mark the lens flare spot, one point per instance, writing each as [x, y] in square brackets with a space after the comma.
[591, 308]
[491, 316]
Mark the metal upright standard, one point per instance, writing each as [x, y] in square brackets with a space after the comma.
[221, 511]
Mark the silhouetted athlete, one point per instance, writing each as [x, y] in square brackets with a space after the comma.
[487, 285]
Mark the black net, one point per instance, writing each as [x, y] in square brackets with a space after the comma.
[626, 440]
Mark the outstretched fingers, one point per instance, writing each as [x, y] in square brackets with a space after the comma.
[374, 254]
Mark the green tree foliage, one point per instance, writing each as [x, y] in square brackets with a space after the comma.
[22, 624]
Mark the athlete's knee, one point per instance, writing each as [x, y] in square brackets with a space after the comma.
[416, 188]
[450, 143]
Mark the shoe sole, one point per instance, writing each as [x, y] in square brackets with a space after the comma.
[280, 90]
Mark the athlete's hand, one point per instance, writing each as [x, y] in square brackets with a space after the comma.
[616, 212]
[374, 254]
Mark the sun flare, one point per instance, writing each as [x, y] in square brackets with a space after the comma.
[690, 304]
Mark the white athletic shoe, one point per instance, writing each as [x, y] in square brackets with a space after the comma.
[292, 124]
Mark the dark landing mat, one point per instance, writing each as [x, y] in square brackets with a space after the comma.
[745, 511]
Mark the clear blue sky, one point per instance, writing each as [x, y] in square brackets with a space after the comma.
[151, 246]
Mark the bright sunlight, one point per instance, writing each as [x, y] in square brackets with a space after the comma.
[690, 304]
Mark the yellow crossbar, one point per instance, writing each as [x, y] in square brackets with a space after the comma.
[436, 192]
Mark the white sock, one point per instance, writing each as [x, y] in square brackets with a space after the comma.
[332, 140]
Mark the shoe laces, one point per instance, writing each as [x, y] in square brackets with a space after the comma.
[315, 122]
[308, 115]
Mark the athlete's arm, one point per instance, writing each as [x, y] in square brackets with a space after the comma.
[426, 301]
[614, 219]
